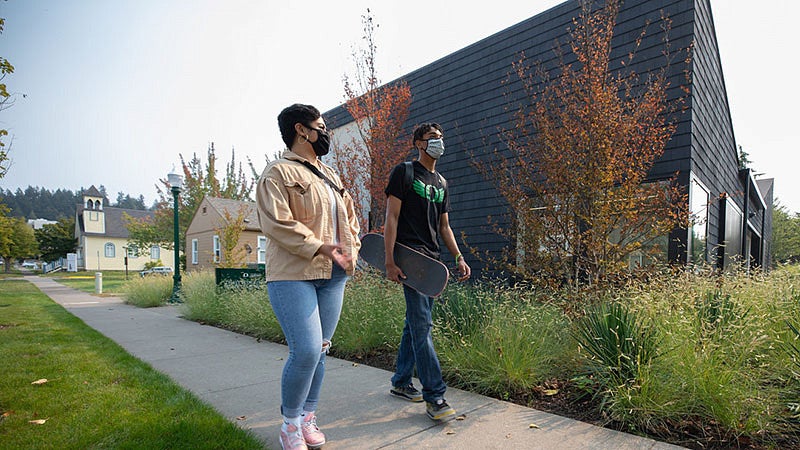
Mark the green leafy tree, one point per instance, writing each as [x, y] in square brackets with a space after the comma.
[56, 240]
[229, 232]
[16, 240]
[6, 101]
[785, 235]
[143, 234]
[199, 180]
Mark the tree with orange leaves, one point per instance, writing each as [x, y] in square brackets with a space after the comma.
[575, 175]
[379, 113]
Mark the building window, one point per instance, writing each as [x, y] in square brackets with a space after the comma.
[133, 252]
[194, 251]
[110, 250]
[155, 252]
[216, 249]
[733, 234]
[262, 250]
[698, 223]
[89, 204]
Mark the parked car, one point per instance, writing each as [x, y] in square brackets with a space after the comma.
[160, 270]
[30, 265]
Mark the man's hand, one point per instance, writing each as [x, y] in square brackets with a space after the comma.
[463, 270]
[335, 253]
[394, 273]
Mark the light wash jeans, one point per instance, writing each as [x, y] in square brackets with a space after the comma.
[308, 312]
[416, 347]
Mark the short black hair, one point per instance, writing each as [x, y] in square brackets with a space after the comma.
[424, 128]
[297, 113]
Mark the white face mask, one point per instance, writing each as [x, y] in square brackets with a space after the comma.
[435, 148]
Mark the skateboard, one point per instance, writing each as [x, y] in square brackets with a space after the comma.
[423, 273]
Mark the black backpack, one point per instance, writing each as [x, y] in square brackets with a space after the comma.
[408, 177]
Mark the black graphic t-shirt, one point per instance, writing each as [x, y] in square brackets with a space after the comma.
[424, 202]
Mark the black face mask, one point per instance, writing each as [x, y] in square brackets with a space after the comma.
[323, 143]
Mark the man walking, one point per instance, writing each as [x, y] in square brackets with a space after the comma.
[417, 205]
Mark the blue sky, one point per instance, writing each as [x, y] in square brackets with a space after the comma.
[116, 90]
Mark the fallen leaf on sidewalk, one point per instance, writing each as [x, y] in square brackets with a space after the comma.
[533, 425]
[550, 392]
[241, 418]
[40, 381]
[461, 417]
[38, 421]
[449, 432]
[355, 364]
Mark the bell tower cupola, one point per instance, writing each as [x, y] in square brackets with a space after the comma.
[94, 220]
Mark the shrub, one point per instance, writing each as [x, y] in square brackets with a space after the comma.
[200, 300]
[372, 317]
[245, 308]
[496, 341]
[148, 292]
[150, 264]
[617, 342]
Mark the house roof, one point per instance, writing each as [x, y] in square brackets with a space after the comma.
[93, 192]
[233, 207]
[116, 226]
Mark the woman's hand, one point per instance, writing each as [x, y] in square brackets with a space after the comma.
[336, 254]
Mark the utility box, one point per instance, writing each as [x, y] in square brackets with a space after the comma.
[243, 276]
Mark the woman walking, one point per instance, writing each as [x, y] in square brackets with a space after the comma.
[312, 246]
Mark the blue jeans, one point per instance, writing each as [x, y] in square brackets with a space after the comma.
[308, 312]
[416, 347]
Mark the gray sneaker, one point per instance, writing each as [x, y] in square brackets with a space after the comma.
[440, 410]
[409, 393]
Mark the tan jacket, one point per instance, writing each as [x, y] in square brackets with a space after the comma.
[294, 211]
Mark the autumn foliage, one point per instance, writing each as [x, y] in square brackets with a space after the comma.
[379, 113]
[579, 153]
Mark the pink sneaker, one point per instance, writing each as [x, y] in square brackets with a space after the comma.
[314, 438]
[292, 438]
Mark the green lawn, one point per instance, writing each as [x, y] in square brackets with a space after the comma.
[96, 395]
[113, 280]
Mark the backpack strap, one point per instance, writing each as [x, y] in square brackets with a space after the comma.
[408, 176]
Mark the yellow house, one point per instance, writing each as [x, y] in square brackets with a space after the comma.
[203, 245]
[103, 237]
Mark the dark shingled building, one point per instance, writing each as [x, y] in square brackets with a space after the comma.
[464, 92]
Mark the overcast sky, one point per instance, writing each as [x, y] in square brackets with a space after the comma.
[116, 90]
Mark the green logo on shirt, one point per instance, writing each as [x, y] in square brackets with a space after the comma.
[430, 193]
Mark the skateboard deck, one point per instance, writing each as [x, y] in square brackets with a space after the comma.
[423, 273]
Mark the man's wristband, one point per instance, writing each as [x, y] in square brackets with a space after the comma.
[458, 256]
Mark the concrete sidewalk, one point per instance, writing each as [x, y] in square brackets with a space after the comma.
[240, 377]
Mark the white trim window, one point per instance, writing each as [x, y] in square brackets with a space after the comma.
[110, 250]
[194, 251]
[155, 252]
[262, 250]
[216, 248]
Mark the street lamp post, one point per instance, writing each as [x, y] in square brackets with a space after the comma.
[176, 183]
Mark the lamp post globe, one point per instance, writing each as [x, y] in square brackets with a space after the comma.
[176, 184]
